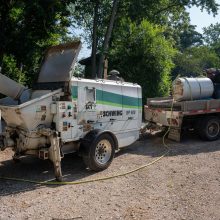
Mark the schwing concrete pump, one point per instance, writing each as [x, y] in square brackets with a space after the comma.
[63, 114]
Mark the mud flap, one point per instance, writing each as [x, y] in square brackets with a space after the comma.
[175, 134]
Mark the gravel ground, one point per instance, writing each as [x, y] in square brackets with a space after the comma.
[183, 185]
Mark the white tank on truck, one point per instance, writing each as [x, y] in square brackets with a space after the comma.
[192, 88]
[64, 114]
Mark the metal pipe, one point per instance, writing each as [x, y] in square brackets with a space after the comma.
[10, 88]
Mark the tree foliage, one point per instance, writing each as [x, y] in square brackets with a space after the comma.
[27, 28]
[170, 13]
[190, 37]
[10, 67]
[143, 55]
[83, 15]
[212, 34]
[142, 49]
[212, 37]
[193, 61]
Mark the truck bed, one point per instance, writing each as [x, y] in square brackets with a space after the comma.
[158, 112]
[165, 103]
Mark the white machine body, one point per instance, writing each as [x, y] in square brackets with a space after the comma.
[100, 104]
[95, 104]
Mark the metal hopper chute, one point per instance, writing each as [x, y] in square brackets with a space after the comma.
[55, 74]
[58, 65]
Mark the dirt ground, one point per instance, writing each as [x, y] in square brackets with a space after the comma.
[183, 185]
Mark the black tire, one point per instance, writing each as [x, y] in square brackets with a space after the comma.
[100, 153]
[209, 128]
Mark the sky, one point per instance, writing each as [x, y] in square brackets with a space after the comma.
[199, 18]
[202, 19]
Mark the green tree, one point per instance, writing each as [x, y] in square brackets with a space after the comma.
[98, 32]
[168, 13]
[143, 55]
[212, 37]
[13, 72]
[27, 28]
[212, 34]
[193, 61]
[190, 37]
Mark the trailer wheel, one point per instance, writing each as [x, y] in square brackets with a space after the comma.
[209, 128]
[101, 153]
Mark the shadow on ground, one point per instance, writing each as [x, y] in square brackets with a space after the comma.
[152, 145]
[32, 168]
[74, 168]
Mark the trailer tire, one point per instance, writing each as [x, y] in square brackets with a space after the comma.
[209, 128]
[100, 153]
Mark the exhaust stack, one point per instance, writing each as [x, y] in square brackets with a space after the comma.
[10, 88]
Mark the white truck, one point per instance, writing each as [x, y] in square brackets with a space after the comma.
[64, 114]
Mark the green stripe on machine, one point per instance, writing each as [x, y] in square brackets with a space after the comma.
[116, 105]
[74, 92]
[112, 99]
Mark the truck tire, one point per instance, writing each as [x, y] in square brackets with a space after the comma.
[209, 128]
[100, 153]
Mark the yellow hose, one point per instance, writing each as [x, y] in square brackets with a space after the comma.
[101, 178]
[168, 130]
[85, 181]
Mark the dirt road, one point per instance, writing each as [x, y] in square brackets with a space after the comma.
[183, 185]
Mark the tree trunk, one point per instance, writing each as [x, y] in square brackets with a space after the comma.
[94, 39]
[107, 38]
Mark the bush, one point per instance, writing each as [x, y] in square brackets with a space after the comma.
[143, 55]
[9, 68]
[193, 61]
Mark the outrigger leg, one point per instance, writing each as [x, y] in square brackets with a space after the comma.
[54, 155]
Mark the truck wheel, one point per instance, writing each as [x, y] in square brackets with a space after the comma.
[101, 153]
[209, 128]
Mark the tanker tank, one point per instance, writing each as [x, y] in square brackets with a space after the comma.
[185, 89]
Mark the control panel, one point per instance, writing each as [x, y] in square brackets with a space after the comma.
[66, 119]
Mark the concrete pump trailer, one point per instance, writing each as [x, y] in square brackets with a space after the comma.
[64, 114]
